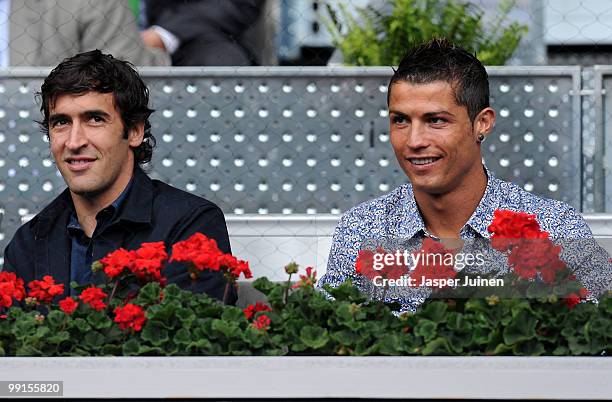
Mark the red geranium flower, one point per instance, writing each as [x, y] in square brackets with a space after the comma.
[199, 250]
[148, 261]
[68, 305]
[308, 280]
[44, 291]
[537, 255]
[11, 288]
[509, 227]
[571, 300]
[432, 262]
[130, 316]
[262, 323]
[114, 263]
[234, 267]
[94, 297]
[203, 253]
[252, 309]
[365, 265]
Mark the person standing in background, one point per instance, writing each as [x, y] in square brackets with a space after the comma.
[45, 32]
[200, 32]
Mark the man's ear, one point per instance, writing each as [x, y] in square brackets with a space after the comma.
[136, 135]
[484, 122]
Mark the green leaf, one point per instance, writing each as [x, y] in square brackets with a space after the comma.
[59, 337]
[521, 328]
[99, 320]
[264, 285]
[346, 337]
[529, 348]
[231, 313]
[55, 318]
[435, 311]
[164, 314]
[438, 346]
[389, 345]
[93, 340]
[81, 325]
[185, 316]
[182, 337]
[229, 329]
[131, 347]
[253, 337]
[314, 337]
[155, 334]
[149, 294]
[427, 329]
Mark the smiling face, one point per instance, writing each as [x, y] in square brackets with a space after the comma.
[433, 138]
[87, 141]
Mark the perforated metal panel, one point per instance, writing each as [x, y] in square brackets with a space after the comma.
[297, 140]
[537, 141]
[603, 139]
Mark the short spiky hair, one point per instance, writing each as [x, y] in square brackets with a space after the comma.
[440, 60]
[97, 72]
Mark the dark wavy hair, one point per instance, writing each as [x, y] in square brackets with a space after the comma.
[440, 60]
[94, 71]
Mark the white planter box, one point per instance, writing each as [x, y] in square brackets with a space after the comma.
[320, 377]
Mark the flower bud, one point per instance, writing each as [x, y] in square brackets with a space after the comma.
[353, 308]
[39, 318]
[492, 300]
[292, 268]
[31, 301]
[96, 266]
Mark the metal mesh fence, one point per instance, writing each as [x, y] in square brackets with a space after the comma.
[298, 141]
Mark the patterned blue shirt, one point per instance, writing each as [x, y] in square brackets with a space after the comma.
[396, 216]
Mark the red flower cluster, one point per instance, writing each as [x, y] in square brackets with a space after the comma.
[130, 316]
[509, 228]
[537, 255]
[114, 263]
[365, 266]
[531, 250]
[145, 263]
[432, 264]
[253, 309]
[203, 253]
[308, 280]
[262, 323]
[11, 288]
[574, 298]
[148, 259]
[94, 297]
[44, 291]
[68, 305]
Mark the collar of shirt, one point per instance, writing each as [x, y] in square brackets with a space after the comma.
[104, 216]
[137, 208]
[410, 222]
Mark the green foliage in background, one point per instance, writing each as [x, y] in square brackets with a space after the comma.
[376, 39]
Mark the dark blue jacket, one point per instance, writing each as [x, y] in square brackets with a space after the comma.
[152, 211]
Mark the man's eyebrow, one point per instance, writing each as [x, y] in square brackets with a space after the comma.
[95, 112]
[57, 116]
[391, 111]
[437, 113]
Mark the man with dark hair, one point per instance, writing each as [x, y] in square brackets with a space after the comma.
[439, 115]
[95, 114]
